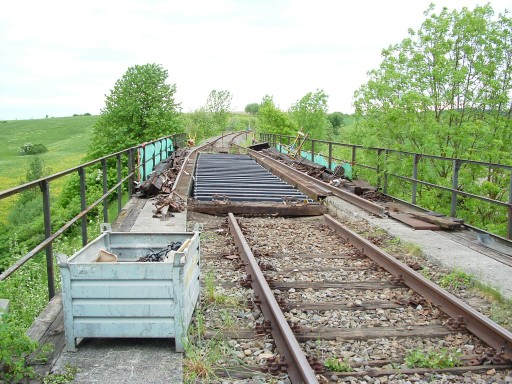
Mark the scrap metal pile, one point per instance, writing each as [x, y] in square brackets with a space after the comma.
[161, 255]
[336, 178]
[160, 182]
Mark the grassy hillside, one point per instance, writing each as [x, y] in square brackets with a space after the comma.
[66, 138]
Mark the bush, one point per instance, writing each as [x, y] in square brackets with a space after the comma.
[32, 149]
[15, 346]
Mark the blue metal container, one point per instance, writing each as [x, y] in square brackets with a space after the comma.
[129, 298]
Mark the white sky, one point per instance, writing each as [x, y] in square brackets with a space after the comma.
[60, 57]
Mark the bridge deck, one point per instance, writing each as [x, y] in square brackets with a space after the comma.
[155, 361]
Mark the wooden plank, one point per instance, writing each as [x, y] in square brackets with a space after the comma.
[123, 308]
[50, 346]
[343, 306]
[442, 221]
[341, 285]
[45, 319]
[256, 209]
[123, 289]
[126, 220]
[365, 333]
[342, 334]
[413, 222]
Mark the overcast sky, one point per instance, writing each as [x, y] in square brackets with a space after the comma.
[62, 57]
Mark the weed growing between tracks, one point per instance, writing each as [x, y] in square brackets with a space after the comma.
[443, 358]
[204, 358]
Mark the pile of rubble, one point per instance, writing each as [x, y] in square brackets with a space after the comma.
[160, 182]
[337, 178]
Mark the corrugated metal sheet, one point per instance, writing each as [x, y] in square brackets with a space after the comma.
[239, 178]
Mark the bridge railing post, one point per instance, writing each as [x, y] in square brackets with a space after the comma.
[509, 223]
[414, 184]
[119, 188]
[45, 189]
[83, 205]
[105, 190]
[455, 185]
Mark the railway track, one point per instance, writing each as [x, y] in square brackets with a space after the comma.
[341, 310]
[307, 300]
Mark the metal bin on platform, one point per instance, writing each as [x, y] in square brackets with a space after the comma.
[129, 298]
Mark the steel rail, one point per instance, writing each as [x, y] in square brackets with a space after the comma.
[369, 206]
[298, 367]
[481, 326]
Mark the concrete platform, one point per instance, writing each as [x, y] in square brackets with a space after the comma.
[118, 361]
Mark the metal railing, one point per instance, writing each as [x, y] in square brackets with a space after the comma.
[162, 149]
[381, 168]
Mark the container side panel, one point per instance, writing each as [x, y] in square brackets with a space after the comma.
[123, 308]
[122, 289]
[121, 271]
[123, 327]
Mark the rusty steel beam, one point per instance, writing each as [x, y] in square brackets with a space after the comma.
[256, 209]
[481, 326]
[298, 368]
[309, 183]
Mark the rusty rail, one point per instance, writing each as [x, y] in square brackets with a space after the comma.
[308, 184]
[463, 315]
[296, 363]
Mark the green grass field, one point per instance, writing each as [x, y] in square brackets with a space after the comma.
[66, 138]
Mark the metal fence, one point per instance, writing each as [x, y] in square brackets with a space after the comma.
[146, 155]
[381, 168]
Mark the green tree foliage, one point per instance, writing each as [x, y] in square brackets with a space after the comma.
[252, 108]
[310, 113]
[272, 120]
[337, 120]
[212, 118]
[446, 90]
[140, 108]
[218, 105]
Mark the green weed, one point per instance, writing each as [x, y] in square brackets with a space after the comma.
[212, 297]
[456, 279]
[62, 378]
[337, 365]
[433, 359]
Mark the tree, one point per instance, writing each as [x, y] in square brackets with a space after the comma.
[272, 120]
[218, 105]
[252, 108]
[337, 119]
[140, 108]
[446, 89]
[310, 113]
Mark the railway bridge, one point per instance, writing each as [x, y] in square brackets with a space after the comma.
[295, 284]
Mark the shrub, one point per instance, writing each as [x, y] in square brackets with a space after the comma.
[15, 346]
[32, 149]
